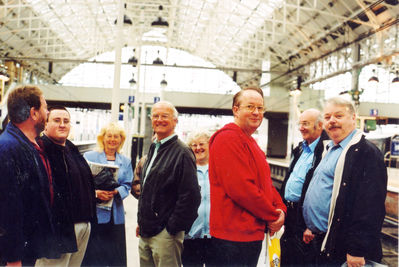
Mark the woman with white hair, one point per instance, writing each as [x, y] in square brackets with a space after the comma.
[107, 244]
[198, 240]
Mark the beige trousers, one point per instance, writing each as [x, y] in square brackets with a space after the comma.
[161, 250]
[82, 233]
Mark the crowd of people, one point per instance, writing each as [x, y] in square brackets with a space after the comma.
[208, 202]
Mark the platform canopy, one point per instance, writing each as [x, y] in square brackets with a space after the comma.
[231, 34]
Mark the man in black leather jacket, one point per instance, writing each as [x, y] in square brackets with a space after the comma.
[170, 193]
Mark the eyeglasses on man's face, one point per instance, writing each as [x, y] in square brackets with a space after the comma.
[305, 124]
[160, 116]
[252, 108]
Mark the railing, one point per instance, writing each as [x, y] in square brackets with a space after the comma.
[278, 170]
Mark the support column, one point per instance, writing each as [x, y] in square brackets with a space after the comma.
[117, 66]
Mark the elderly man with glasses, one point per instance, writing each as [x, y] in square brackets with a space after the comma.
[304, 160]
[170, 193]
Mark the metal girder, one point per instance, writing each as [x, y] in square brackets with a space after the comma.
[228, 33]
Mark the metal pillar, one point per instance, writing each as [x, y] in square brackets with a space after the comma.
[117, 69]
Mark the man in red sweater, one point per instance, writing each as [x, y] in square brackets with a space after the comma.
[244, 203]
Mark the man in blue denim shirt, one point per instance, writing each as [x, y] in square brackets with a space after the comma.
[344, 205]
[197, 242]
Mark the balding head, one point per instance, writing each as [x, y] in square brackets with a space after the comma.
[310, 124]
[164, 119]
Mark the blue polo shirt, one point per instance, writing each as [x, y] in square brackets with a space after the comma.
[200, 227]
[293, 188]
[316, 206]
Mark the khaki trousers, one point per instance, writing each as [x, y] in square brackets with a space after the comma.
[161, 250]
[82, 233]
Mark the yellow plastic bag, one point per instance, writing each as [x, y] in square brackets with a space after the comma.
[273, 251]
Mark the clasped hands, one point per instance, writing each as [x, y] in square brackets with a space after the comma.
[106, 195]
[277, 224]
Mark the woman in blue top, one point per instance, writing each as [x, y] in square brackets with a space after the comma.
[197, 242]
[107, 245]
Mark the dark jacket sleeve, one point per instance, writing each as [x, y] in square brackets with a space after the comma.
[188, 197]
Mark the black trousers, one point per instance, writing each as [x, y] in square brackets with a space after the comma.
[107, 245]
[237, 254]
[197, 252]
[294, 252]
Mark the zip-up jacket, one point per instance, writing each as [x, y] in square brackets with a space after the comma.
[65, 196]
[357, 208]
[243, 199]
[170, 196]
[26, 228]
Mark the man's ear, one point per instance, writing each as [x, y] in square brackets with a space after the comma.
[33, 113]
[235, 109]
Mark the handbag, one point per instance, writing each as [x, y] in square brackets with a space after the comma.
[104, 180]
[273, 250]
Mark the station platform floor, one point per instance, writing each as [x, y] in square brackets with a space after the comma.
[132, 242]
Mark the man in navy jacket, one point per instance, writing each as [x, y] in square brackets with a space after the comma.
[26, 193]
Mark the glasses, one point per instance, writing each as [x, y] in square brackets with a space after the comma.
[251, 108]
[194, 145]
[160, 116]
[304, 124]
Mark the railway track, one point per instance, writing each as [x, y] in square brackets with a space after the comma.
[390, 228]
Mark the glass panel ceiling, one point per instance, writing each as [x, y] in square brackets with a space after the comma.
[200, 27]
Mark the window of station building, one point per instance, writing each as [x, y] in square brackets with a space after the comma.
[335, 85]
[383, 91]
[184, 72]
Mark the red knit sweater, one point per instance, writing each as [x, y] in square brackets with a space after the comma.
[243, 198]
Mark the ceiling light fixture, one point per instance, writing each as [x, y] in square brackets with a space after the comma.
[158, 60]
[374, 78]
[132, 81]
[133, 59]
[396, 79]
[126, 19]
[164, 83]
[160, 23]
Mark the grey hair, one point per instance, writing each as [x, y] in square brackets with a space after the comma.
[339, 101]
[198, 134]
[170, 105]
